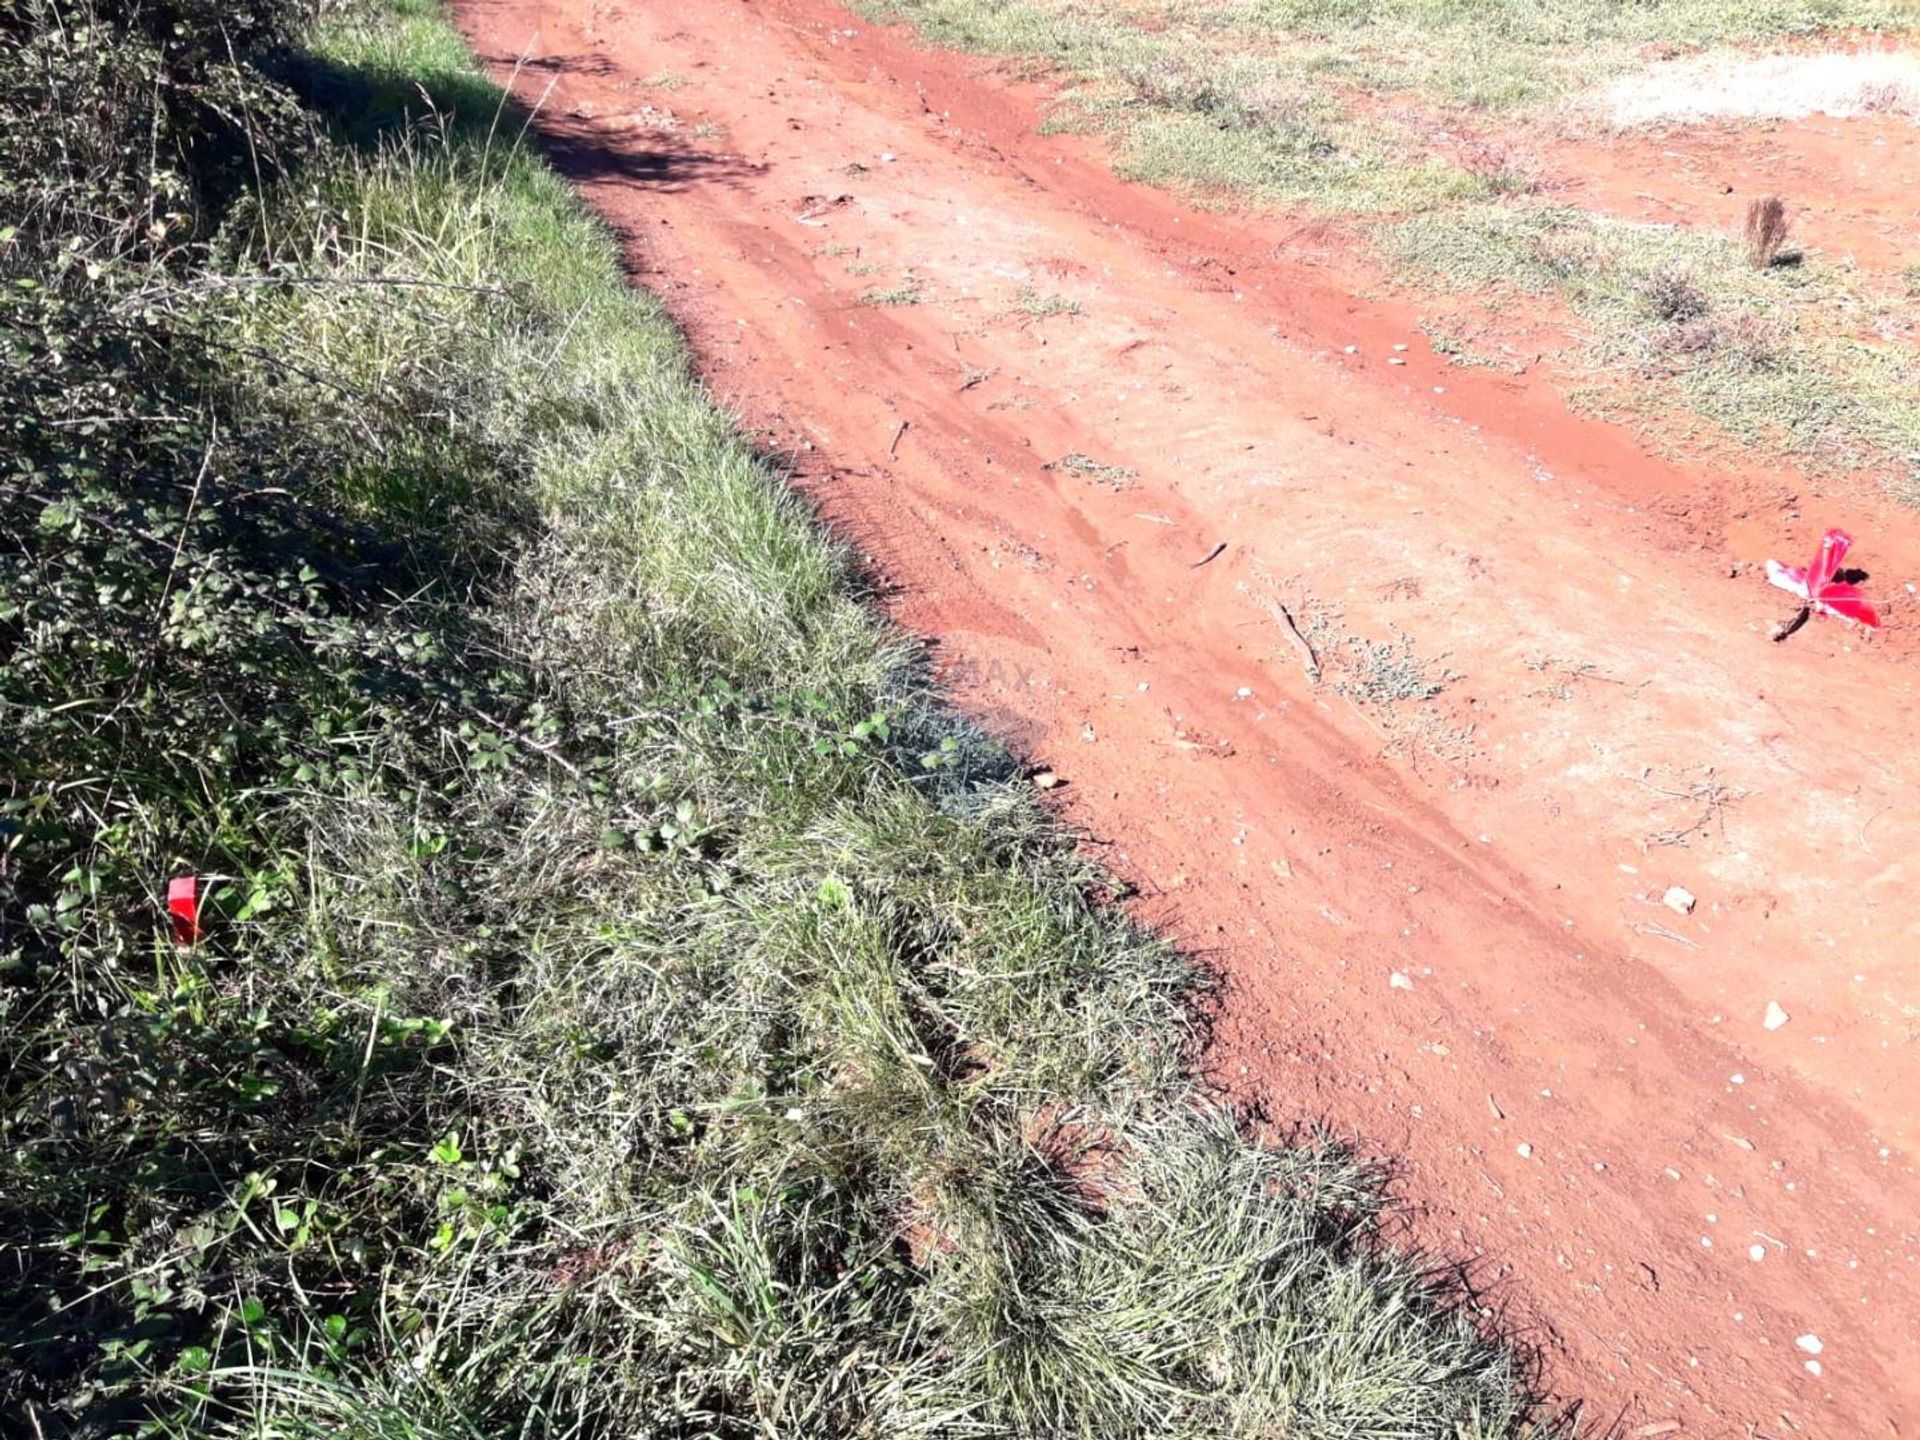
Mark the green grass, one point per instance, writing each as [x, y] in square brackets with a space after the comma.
[1337, 108]
[630, 1004]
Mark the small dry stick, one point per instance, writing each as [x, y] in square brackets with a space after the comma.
[1213, 554]
[894, 448]
[1309, 661]
[1709, 792]
[1663, 933]
[1782, 630]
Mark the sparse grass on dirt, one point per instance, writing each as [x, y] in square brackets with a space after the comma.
[1115, 477]
[1375, 112]
[1485, 56]
[1368, 671]
[1029, 301]
[908, 292]
[1461, 347]
[1387, 672]
[1260, 99]
[609, 1022]
[1806, 359]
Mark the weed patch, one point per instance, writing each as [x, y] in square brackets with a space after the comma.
[1115, 477]
[908, 292]
[1387, 672]
[1029, 301]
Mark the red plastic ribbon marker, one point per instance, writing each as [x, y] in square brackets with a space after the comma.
[183, 908]
[1818, 586]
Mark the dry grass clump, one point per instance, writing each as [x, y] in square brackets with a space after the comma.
[1504, 167]
[1768, 224]
[1674, 296]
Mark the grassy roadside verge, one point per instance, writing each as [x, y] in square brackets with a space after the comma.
[628, 1004]
[1409, 121]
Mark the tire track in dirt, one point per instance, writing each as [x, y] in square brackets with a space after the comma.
[1440, 918]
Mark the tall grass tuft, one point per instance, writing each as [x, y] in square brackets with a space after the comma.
[1766, 230]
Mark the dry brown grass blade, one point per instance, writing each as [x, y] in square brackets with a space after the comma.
[1768, 225]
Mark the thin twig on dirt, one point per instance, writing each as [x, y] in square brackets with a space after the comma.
[1213, 554]
[1572, 669]
[1781, 632]
[1661, 932]
[1713, 797]
[894, 448]
[1309, 661]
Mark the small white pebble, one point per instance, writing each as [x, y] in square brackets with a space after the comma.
[1756, 1253]
[1813, 1368]
[1399, 981]
[1776, 1017]
[1736, 1078]
[1523, 1150]
[1810, 1343]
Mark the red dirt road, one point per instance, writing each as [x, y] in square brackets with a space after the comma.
[1441, 919]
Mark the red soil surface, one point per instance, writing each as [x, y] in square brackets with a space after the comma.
[1441, 921]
